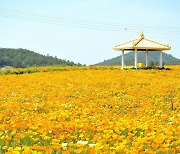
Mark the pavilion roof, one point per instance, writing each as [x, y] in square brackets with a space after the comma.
[142, 43]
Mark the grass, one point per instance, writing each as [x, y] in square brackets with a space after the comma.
[30, 70]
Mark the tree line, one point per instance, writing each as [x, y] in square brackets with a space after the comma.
[26, 58]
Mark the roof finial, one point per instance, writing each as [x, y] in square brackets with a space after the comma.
[142, 34]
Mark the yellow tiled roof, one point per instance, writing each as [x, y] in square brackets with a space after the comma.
[142, 43]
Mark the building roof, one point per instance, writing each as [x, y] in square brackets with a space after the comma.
[142, 43]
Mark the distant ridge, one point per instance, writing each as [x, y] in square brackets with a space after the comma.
[26, 58]
[168, 59]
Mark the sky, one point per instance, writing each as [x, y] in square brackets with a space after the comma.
[85, 31]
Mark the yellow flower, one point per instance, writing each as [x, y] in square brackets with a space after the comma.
[99, 109]
[17, 149]
[47, 138]
[4, 147]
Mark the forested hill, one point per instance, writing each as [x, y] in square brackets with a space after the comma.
[26, 58]
[168, 59]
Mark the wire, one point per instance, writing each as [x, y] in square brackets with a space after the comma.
[79, 23]
[67, 21]
[82, 20]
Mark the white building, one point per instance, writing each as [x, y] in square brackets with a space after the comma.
[142, 44]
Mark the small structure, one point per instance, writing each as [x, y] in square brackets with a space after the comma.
[141, 44]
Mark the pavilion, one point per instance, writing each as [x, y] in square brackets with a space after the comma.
[142, 44]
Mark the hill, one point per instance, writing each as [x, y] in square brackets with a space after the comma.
[168, 59]
[26, 58]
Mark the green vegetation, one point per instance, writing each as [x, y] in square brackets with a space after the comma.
[153, 59]
[25, 58]
[29, 70]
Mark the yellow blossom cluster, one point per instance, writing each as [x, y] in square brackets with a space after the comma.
[99, 110]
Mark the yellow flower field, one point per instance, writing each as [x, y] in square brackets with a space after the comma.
[100, 110]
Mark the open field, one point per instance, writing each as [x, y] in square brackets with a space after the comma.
[90, 110]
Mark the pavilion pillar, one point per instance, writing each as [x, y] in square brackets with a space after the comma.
[122, 60]
[135, 61]
[147, 58]
[160, 59]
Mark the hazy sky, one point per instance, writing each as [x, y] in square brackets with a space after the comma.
[86, 30]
